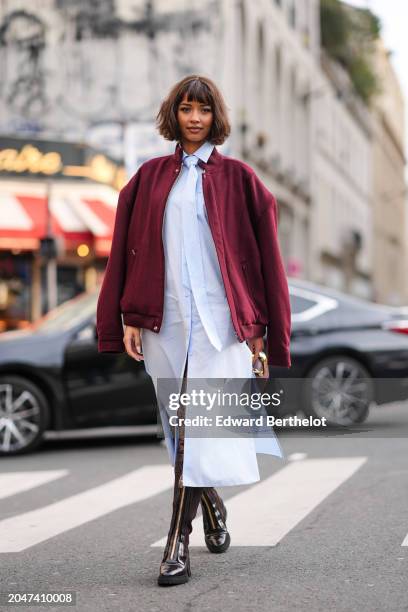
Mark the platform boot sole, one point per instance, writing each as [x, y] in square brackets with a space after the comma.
[220, 549]
[173, 580]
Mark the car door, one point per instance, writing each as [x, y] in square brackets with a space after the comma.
[105, 388]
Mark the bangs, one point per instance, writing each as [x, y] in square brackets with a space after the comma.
[196, 91]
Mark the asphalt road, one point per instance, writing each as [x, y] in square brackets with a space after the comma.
[326, 528]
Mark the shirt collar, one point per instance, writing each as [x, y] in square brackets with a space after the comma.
[214, 164]
[202, 152]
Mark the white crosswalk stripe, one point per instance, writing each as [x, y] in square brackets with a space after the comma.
[18, 482]
[19, 532]
[279, 502]
[263, 514]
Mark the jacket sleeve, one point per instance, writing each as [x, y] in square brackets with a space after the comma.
[108, 314]
[276, 285]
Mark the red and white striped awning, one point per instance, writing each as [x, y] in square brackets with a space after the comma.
[79, 214]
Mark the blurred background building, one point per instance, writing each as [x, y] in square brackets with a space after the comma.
[390, 252]
[315, 109]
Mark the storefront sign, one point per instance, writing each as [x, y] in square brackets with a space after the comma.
[45, 158]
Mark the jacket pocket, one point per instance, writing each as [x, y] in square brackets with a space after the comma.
[130, 258]
[246, 273]
[140, 293]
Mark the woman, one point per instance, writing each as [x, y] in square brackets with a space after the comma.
[195, 270]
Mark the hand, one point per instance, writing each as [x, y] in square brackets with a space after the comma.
[133, 342]
[256, 345]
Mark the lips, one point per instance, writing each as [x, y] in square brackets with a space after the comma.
[194, 129]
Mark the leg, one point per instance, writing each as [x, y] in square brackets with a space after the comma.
[175, 566]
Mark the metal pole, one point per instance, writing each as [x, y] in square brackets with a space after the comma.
[52, 291]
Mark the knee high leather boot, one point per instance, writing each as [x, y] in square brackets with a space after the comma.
[175, 565]
[216, 535]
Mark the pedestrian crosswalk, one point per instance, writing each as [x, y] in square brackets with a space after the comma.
[29, 528]
[279, 502]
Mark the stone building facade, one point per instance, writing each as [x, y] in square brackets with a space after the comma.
[96, 72]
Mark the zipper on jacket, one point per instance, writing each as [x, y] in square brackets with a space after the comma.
[177, 173]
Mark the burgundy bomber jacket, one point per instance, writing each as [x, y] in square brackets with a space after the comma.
[242, 215]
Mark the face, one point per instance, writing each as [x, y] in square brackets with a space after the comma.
[195, 120]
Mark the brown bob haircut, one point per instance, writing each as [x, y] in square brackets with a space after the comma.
[200, 89]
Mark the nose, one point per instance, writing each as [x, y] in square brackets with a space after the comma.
[195, 117]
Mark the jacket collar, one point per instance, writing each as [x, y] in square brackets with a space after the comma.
[213, 163]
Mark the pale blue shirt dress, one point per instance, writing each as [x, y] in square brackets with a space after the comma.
[197, 328]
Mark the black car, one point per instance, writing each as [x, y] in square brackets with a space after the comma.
[347, 353]
[53, 378]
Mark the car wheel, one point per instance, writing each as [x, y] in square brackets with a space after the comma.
[339, 388]
[24, 415]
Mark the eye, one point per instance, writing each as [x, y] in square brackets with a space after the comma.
[206, 109]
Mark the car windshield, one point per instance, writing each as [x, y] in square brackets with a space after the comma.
[68, 314]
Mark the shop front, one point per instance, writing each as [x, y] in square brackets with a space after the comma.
[57, 211]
